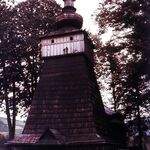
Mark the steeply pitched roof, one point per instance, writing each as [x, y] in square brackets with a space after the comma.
[66, 100]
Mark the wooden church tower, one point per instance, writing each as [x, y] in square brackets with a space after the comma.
[67, 112]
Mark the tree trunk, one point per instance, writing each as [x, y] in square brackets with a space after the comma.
[8, 115]
[7, 103]
[14, 110]
[114, 96]
[139, 118]
[139, 127]
[113, 83]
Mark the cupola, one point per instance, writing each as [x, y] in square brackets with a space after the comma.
[69, 17]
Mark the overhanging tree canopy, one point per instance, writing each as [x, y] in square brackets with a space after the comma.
[127, 54]
[20, 61]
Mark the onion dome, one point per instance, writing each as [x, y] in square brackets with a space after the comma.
[69, 17]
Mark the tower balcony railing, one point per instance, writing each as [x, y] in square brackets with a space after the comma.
[62, 48]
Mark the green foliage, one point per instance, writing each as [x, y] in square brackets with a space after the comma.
[127, 55]
[22, 26]
[31, 19]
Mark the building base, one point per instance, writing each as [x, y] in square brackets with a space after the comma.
[67, 147]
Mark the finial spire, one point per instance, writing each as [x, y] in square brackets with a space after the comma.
[68, 3]
[69, 6]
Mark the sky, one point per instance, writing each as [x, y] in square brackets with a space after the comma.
[86, 8]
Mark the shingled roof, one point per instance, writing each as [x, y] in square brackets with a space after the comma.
[67, 105]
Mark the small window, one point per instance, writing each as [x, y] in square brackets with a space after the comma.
[52, 41]
[71, 38]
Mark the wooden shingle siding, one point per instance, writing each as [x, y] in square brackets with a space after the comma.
[67, 109]
[64, 99]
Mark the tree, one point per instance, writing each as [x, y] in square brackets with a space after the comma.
[20, 59]
[4, 26]
[128, 55]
